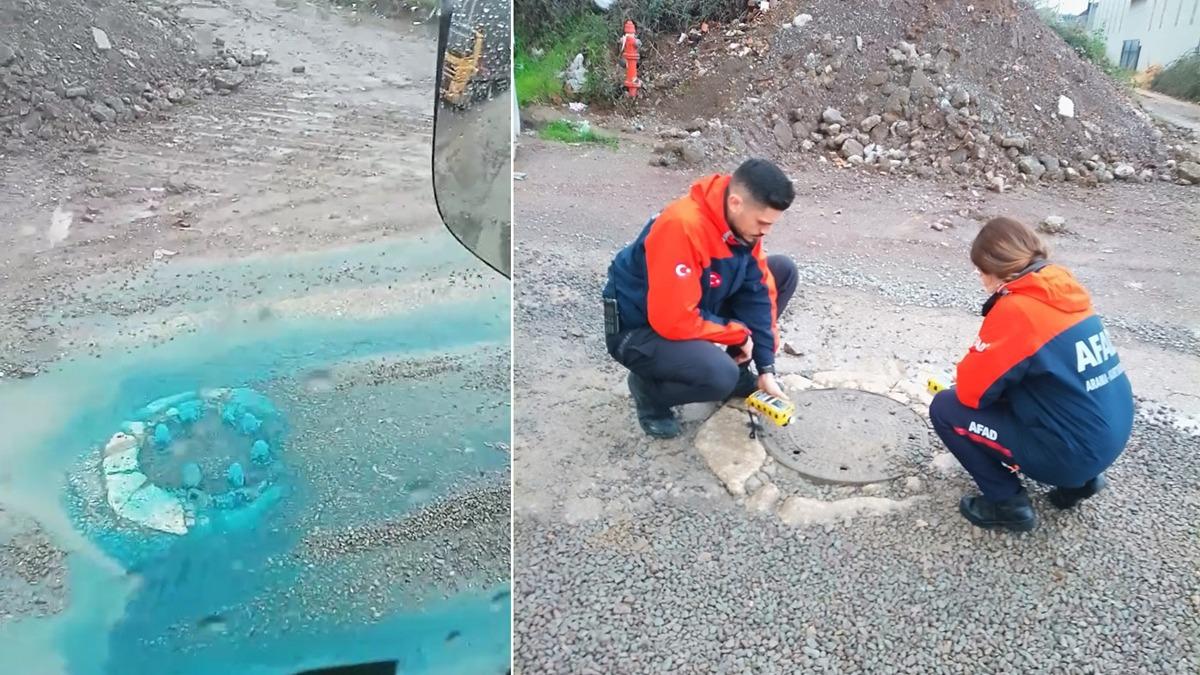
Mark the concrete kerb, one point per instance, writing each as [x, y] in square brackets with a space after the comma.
[748, 472]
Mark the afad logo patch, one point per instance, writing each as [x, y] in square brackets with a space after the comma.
[682, 270]
[714, 280]
[980, 345]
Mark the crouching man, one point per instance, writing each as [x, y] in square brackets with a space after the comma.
[693, 301]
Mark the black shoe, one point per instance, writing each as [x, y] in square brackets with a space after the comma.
[747, 384]
[656, 420]
[1015, 513]
[1065, 498]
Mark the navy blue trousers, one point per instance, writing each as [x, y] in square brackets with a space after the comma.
[692, 371]
[995, 448]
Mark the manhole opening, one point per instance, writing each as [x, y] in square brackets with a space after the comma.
[847, 436]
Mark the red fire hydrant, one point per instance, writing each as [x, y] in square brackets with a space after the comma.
[629, 54]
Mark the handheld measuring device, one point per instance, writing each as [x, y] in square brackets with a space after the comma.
[938, 383]
[779, 410]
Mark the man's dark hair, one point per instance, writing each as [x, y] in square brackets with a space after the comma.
[766, 183]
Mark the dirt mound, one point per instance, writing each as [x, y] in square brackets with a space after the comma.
[72, 69]
[984, 90]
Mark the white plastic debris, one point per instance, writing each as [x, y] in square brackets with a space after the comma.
[1066, 107]
[801, 20]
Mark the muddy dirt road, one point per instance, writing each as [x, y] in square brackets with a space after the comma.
[634, 558]
[289, 162]
[285, 237]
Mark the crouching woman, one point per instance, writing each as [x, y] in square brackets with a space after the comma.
[1041, 392]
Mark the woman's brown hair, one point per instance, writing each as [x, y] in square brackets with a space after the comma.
[1004, 247]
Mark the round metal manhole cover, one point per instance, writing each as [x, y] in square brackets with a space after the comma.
[847, 436]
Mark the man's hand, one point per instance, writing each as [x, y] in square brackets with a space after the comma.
[746, 351]
[767, 383]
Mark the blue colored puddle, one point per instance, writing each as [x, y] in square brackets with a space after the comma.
[393, 478]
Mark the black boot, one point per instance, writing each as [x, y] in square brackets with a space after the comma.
[747, 383]
[1015, 513]
[656, 420]
[1065, 498]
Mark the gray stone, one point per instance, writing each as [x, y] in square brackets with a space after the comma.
[832, 116]
[1051, 163]
[258, 57]
[877, 78]
[229, 81]
[298, 69]
[960, 97]
[943, 61]
[176, 94]
[764, 499]
[1017, 141]
[692, 153]
[7, 55]
[753, 483]
[921, 85]
[236, 475]
[852, 148]
[101, 39]
[102, 113]
[1124, 171]
[75, 92]
[897, 103]
[1053, 225]
[783, 135]
[191, 475]
[1189, 171]
[870, 122]
[1031, 167]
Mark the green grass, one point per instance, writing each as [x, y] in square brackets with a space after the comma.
[1181, 79]
[1090, 46]
[564, 131]
[538, 62]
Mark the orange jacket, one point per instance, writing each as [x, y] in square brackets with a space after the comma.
[1044, 350]
[688, 277]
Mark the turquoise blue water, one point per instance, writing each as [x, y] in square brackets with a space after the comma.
[136, 597]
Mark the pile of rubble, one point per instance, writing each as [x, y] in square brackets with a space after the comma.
[990, 94]
[71, 70]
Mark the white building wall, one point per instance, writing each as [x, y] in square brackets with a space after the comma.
[1167, 28]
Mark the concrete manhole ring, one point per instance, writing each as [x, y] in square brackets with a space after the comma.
[847, 436]
[172, 437]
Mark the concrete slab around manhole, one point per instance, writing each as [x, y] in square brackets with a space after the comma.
[847, 436]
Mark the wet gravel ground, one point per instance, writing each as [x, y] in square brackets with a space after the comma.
[631, 557]
[32, 576]
[691, 585]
